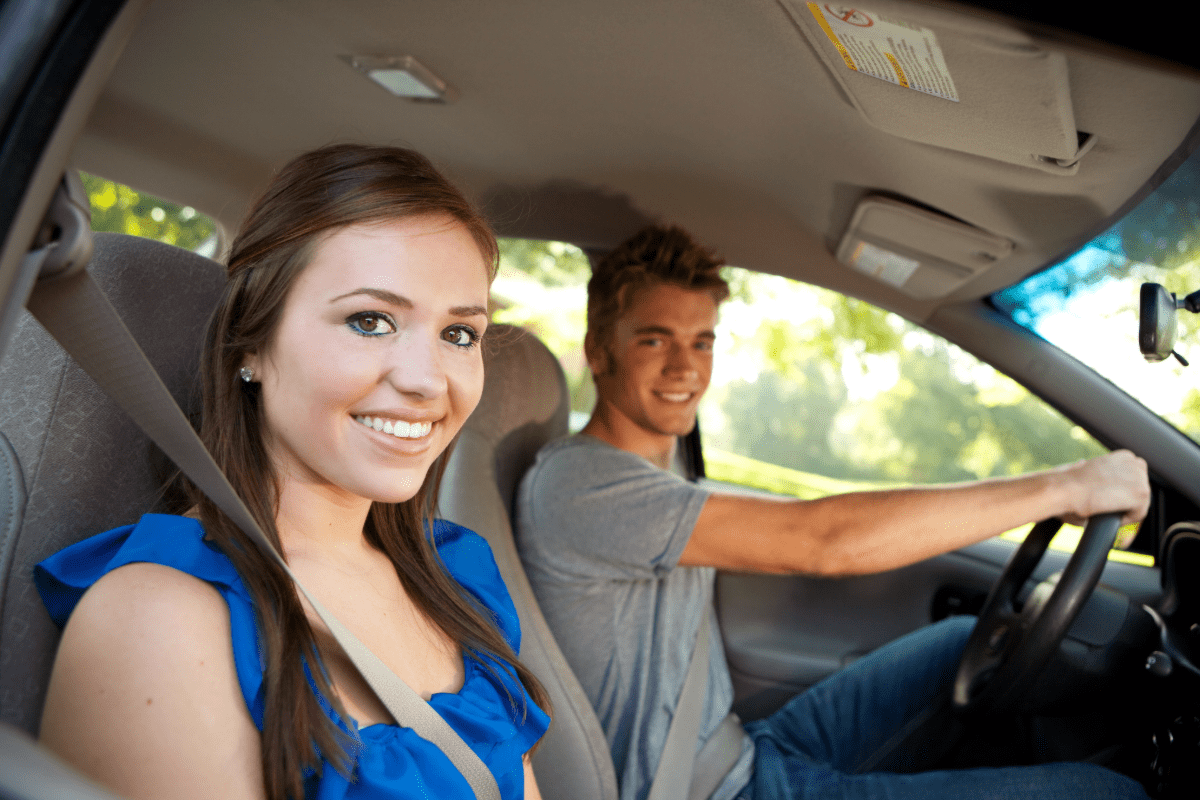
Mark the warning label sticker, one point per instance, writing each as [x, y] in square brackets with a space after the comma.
[889, 49]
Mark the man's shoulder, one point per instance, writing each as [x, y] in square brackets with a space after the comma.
[579, 456]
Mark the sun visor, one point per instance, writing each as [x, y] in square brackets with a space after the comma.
[964, 83]
[922, 253]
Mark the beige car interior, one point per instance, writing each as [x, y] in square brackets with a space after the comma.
[580, 121]
[738, 120]
[741, 121]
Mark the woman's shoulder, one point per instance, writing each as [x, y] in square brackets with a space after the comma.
[160, 539]
[466, 555]
[142, 605]
[162, 580]
[145, 674]
[156, 583]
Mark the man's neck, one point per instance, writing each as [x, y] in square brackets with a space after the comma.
[614, 428]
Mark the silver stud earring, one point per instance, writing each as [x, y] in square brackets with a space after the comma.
[246, 374]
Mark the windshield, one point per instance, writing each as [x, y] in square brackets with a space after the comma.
[1088, 304]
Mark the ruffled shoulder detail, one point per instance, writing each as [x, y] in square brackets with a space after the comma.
[469, 560]
[172, 541]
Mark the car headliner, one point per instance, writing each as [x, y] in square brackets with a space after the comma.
[580, 121]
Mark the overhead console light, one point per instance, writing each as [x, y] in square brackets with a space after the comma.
[922, 253]
[403, 76]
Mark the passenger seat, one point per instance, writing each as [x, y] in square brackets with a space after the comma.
[73, 464]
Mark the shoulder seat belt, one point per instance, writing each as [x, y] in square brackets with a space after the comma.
[75, 312]
[682, 773]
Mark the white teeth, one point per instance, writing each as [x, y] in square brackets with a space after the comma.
[398, 428]
[675, 398]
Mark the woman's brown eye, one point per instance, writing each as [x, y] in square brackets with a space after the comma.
[367, 324]
[461, 336]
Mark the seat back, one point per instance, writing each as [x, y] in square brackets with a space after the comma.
[73, 464]
[525, 405]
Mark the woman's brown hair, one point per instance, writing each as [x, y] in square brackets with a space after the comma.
[312, 196]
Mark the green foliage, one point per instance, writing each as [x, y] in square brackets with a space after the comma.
[552, 264]
[859, 325]
[119, 209]
[851, 392]
[541, 287]
[947, 429]
[721, 465]
[785, 419]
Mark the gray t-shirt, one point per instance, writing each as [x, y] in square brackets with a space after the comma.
[600, 531]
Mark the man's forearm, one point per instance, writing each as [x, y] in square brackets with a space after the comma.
[865, 532]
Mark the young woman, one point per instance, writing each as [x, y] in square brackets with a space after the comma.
[341, 362]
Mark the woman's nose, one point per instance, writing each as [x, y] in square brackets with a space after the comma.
[416, 366]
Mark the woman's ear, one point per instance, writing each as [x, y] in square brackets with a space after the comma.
[250, 371]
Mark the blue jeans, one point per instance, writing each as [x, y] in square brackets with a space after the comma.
[811, 747]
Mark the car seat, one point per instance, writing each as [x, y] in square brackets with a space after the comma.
[524, 406]
[73, 464]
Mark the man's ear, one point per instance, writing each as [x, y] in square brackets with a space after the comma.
[597, 356]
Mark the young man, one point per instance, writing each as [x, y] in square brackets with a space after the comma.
[621, 553]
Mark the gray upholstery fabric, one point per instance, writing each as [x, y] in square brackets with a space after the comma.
[525, 405]
[86, 466]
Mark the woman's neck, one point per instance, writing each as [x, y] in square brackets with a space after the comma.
[317, 521]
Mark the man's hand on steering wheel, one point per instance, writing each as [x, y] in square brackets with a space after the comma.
[1112, 482]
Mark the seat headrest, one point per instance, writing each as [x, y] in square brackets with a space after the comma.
[524, 403]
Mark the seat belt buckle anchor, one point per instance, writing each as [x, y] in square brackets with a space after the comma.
[66, 230]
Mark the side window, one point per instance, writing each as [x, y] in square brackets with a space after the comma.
[815, 393]
[542, 287]
[117, 208]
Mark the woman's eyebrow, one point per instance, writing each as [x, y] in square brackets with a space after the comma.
[379, 294]
[385, 296]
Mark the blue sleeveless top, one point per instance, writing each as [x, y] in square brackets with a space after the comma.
[390, 761]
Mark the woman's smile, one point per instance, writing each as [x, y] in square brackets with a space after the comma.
[397, 428]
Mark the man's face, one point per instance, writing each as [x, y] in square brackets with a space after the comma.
[658, 361]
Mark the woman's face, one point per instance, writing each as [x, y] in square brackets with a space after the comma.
[376, 363]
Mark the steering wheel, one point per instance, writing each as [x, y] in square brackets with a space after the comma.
[1008, 649]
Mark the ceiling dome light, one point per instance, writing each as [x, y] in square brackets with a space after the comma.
[403, 76]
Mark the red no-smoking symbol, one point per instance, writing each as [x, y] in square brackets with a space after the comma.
[850, 16]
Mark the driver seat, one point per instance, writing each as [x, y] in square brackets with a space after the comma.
[525, 405]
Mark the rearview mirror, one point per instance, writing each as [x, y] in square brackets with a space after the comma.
[1158, 328]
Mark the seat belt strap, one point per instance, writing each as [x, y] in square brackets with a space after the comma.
[717, 757]
[682, 773]
[673, 775]
[76, 313]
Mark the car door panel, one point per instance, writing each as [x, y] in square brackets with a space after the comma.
[784, 633]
